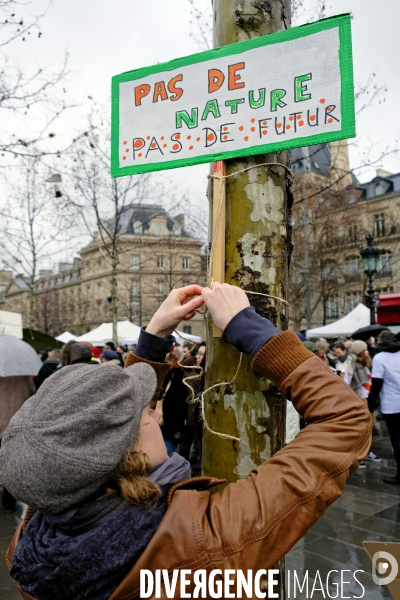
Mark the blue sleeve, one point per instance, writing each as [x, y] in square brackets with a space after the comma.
[248, 332]
[154, 348]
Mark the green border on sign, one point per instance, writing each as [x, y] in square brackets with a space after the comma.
[348, 130]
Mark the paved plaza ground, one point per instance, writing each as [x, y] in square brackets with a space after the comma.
[368, 510]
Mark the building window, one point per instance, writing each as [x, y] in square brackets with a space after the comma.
[158, 229]
[185, 283]
[160, 262]
[161, 287]
[135, 308]
[329, 270]
[352, 271]
[379, 188]
[135, 260]
[353, 299]
[135, 287]
[353, 233]
[380, 225]
[185, 262]
[187, 329]
[137, 227]
[386, 265]
[332, 308]
[99, 290]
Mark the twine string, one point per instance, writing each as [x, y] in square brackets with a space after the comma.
[201, 400]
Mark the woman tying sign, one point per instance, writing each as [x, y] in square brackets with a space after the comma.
[87, 454]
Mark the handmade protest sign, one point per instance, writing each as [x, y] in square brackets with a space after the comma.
[285, 90]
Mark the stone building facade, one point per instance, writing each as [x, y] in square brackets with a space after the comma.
[332, 215]
[155, 255]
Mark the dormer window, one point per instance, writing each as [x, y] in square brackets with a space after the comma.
[137, 227]
[158, 229]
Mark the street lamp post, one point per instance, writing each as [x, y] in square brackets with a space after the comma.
[370, 257]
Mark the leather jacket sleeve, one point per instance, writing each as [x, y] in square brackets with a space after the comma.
[279, 501]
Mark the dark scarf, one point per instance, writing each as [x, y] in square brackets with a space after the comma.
[389, 344]
[86, 551]
[343, 358]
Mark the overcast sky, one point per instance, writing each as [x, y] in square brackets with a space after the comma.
[107, 37]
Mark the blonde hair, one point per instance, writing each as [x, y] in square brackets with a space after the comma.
[322, 346]
[364, 359]
[131, 482]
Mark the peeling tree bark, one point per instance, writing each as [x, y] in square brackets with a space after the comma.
[257, 255]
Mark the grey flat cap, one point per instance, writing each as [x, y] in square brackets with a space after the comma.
[67, 440]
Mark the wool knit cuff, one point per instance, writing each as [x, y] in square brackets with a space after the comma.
[161, 370]
[280, 357]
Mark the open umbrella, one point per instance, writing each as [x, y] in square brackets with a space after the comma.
[17, 357]
[364, 333]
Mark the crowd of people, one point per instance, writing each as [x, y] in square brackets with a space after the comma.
[372, 369]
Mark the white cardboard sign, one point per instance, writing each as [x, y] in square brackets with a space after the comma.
[289, 89]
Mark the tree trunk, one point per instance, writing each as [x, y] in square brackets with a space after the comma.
[257, 255]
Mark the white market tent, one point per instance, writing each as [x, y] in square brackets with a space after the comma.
[103, 334]
[177, 335]
[185, 337]
[66, 337]
[358, 317]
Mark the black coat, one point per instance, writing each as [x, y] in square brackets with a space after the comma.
[49, 367]
[175, 407]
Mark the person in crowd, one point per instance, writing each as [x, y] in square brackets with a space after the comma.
[189, 444]
[88, 531]
[311, 346]
[172, 404]
[358, 376]
[200, 355]
[49, 367]
[199, 387]
[372, 346]
[96, 351]
[14, 391]
[342, 355]
[323, 351]
[109, 346]
[386, 386]
[75, 353]
[109, 357]
[44, 354]
[187, 347]
[122, 353]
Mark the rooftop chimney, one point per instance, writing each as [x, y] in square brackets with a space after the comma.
[180, 219]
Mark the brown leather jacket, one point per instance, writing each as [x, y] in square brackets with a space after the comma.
[252, 523]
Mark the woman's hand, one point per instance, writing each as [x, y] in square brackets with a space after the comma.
[180, 305]
[224, 301]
